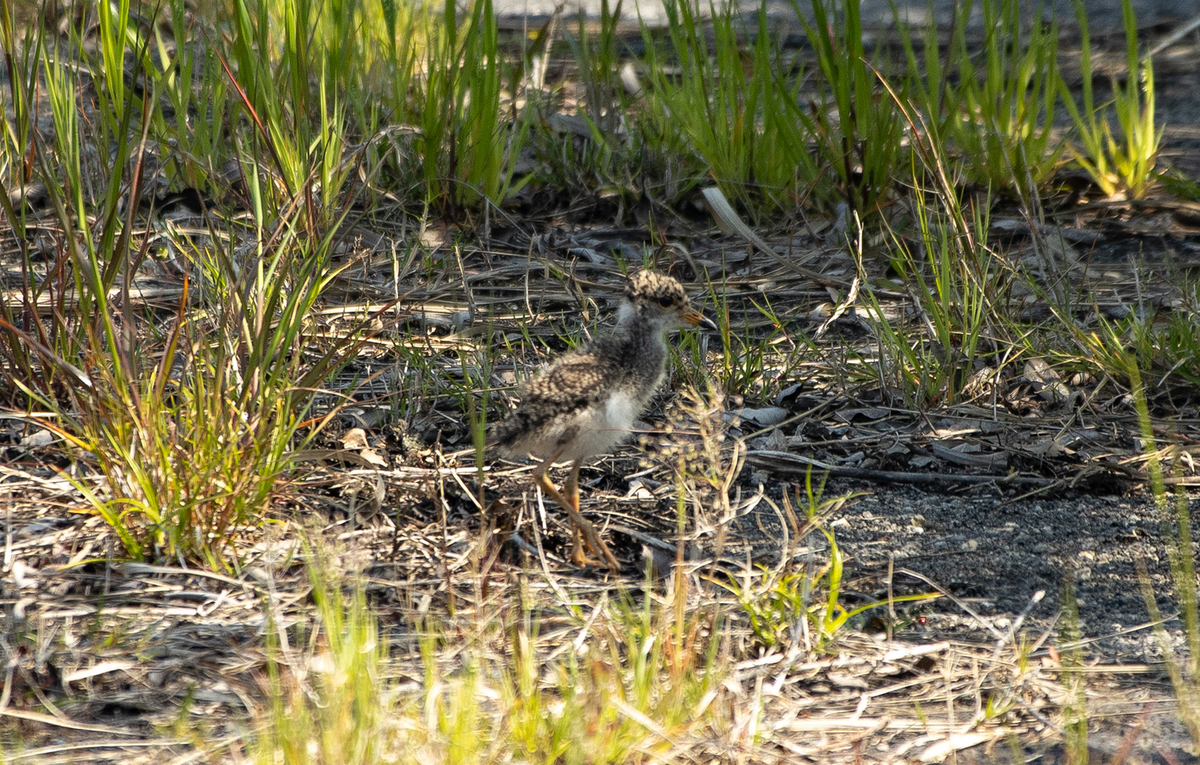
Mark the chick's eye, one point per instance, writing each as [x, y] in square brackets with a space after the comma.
[665, 301]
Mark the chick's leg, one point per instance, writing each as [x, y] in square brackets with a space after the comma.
[571, 506]
[590, 536]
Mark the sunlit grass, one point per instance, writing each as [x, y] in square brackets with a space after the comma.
[642, 681]
[1124, 160]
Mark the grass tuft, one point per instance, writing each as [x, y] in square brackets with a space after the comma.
[1125, 161]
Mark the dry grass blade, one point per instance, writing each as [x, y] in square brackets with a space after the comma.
[730, 222]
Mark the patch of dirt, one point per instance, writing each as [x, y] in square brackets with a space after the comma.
[993, 554]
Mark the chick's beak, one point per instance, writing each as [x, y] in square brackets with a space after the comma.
[694, 317]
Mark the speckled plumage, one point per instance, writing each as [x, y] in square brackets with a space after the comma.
[565, 411]
[585, 403]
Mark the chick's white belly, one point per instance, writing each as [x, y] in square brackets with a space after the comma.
[595, 430]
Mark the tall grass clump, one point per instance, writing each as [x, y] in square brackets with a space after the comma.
[467, 139]
[957, 288]
[992, 112]
[324, 76]
[296, 108]
[742, 122]
[1004, 107]
[180, 425]
[24, 378]
[602, 159]
[1123, 161]
[337, 89]
[859, 131]
[192, 433]
[197, 92]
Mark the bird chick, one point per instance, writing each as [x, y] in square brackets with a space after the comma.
[584, 403]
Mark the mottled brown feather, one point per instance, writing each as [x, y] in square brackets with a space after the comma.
[570, 397]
